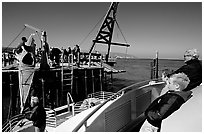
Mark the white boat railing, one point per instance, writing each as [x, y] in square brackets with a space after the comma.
[58, 115]
[54, 117]
[122, 91]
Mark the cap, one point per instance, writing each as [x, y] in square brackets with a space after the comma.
[24, 39]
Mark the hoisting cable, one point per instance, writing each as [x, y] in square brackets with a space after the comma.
[124, 39]
[14, 39]
[91, 31]
[120, 31]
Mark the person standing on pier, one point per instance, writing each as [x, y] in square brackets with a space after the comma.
[65, 55]
[76, 51]
[69, 52]
[25, 52]
[55, 56]
[22, 43]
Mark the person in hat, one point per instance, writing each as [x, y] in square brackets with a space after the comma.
[55, 54]
[24, 51]
[22, 43]
[76, 52]
[167, 104]
[192, 68]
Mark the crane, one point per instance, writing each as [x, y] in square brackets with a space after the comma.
[105, 33]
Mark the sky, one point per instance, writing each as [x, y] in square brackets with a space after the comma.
[170, 28]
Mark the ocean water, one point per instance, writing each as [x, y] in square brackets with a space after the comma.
[139, 70]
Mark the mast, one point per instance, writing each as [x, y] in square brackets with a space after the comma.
[105, 33]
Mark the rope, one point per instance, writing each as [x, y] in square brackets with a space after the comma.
[91, 31]
[121, 31]
[125, 42]
[14, 39]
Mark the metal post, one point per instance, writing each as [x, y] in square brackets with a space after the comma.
[76, 83]
[85, 82]
[68, 102]
[103, 96]
[92, 80]
[151, 65]
[157, 65]
[101, 82]
[89, 59]
[101, 60]
[73, 112]
[111, 78]
[57, 91]
[62, 81]
[154, 68]
[57, 99]
[43, 91]
[11, 97]
[105, 80]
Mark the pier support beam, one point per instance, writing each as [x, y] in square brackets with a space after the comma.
[43, 91]
[85, 77]
[93, 86]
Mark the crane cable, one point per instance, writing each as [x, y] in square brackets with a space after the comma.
[91, 31]
[14, 39]
[121, 31]
[125, 42]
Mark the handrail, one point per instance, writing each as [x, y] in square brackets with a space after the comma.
[11, 122]
[96, 109]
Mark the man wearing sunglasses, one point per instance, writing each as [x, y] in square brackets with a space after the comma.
[192, 68]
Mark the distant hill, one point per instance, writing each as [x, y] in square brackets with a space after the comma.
[121, 55]
[116, 55]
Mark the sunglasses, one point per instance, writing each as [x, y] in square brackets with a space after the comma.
[187, 55]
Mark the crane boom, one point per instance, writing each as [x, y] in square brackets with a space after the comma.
[106, 30]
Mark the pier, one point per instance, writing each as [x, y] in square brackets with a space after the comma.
[53, 86]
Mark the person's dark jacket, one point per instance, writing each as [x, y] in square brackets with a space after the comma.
[38, 116]
[193, 69]
[28, 58]
[55, 54]
[165, 105]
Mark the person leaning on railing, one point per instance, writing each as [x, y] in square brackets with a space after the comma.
[192, 68]
[167, 104]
